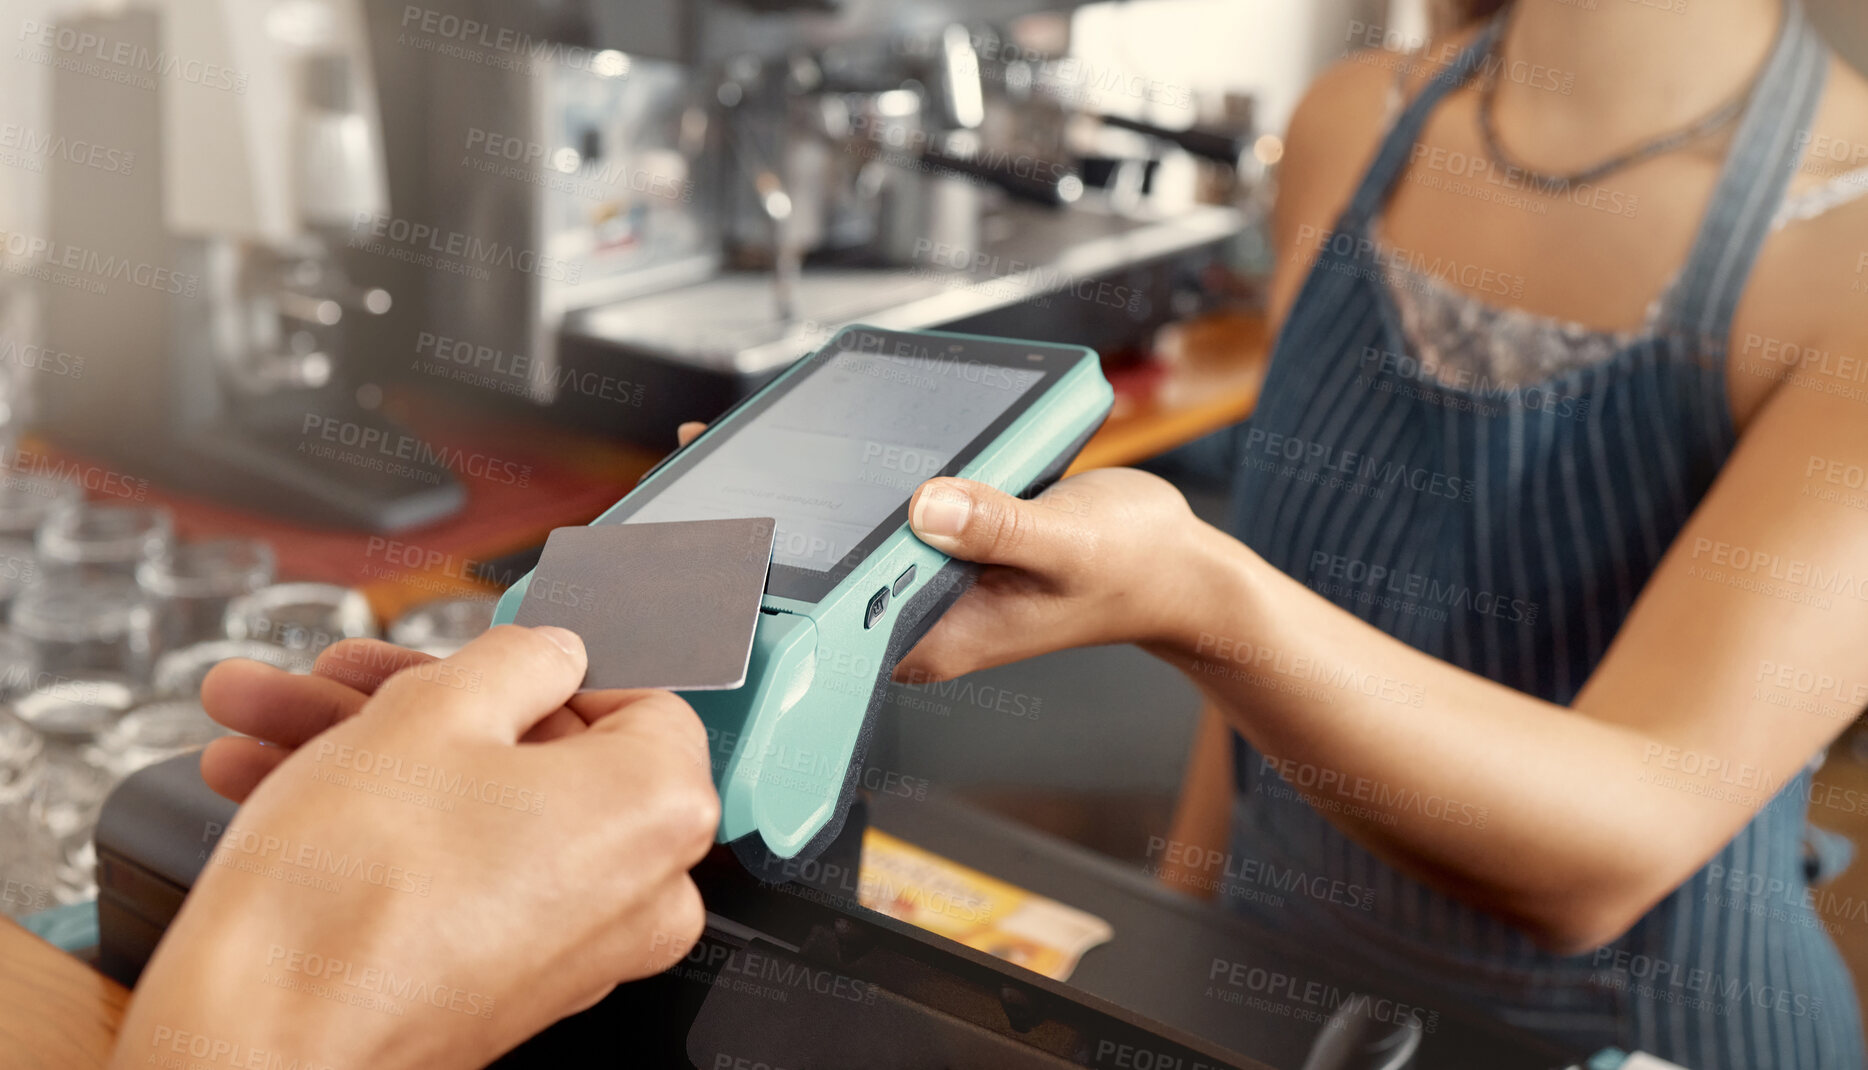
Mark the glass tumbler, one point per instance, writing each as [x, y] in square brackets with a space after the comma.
[73, 711]
[443, 626]
[19, 666]
[152, 733]
[71, 714]
[27, 499]
[302, 617]
[19, 566]
[104, 538]
[28, 853]
[197, 580]
[179, 672]
[84, 625]
[22, 762]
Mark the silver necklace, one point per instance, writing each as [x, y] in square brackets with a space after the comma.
[1662, 143]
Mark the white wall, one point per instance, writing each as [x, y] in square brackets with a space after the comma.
[22, 100]
[1270, 48]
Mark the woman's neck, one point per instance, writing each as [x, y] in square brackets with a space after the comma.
[1635, 68]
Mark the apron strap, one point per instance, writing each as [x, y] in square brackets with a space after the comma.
[1397, 146]
[1751, 186]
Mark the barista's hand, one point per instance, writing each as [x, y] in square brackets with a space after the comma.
[412, 885]
[1103, 557]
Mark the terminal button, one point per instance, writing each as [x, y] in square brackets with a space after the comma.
[902, 581]
[878, 604]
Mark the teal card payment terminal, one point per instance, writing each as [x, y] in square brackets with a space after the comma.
[833, 449]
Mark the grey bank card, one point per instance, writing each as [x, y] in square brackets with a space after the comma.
[668, 605]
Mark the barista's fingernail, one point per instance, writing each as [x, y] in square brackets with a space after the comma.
[564, 638]
[941, 510]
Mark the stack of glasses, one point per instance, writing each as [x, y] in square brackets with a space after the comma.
[111, 626]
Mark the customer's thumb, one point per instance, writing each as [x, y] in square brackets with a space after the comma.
[975, 522]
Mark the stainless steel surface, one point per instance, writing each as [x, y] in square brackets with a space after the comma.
[727, 324]
[208, 377]
[841, 156]
[808, 169]
[586, 182]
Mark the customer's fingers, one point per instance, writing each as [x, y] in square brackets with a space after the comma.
[661, 717]
[556, 725]
[689, 431]
[269, 703]
[365, 663]
[234, 765]
[503, 683]
[593, 706]
[654, 752]
[654, 932]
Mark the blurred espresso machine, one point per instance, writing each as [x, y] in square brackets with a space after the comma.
[633, 212]
[606, 214]
[205, 290]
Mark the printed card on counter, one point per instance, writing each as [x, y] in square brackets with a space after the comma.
[969, 907]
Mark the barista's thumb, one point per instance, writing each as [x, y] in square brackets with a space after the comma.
[975, 522]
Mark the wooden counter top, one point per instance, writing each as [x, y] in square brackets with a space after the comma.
[55, 1011]
[1205, 377]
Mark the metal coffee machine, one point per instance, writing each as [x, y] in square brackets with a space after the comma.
[209, 299]
[695, 195]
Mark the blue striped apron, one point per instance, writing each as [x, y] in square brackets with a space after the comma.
[1508, 532]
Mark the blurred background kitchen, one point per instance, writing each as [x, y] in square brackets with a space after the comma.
[317, 315]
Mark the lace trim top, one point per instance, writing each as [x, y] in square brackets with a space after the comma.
[1461, 339]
